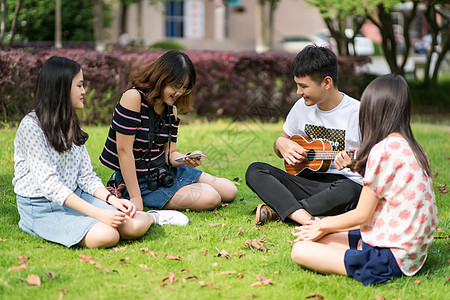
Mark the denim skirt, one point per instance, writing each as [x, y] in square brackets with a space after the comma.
[57, 223]
[370, 265]
[181, 176]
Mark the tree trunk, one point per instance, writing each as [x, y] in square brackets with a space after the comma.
[123, 16]
[3, 22]
[58, 25]
[406, 28]
[431, 15]
[273, 7]
[440, 59]
[14, 21]
[140, 39]
[260, 39]
[389, 43]
[98, 25]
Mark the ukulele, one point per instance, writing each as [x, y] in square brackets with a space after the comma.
[318, 157]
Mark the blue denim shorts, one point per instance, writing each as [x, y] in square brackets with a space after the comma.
[57, 223]
[371, 265]
[181, 176]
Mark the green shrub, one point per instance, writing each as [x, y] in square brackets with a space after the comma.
[167, 45]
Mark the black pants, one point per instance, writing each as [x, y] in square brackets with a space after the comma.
[320, 194]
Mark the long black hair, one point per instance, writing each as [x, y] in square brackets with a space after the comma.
[385, 109]
[53, 104]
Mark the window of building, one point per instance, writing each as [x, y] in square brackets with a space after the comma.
[174, 19]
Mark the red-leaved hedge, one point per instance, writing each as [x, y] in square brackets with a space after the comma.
[239, 85]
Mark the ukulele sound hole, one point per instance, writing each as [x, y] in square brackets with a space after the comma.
[311, 155]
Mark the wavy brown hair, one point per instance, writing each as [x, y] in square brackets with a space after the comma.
[385, 109]
[171, 68]
[53, 105]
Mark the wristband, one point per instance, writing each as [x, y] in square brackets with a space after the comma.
[107, 198]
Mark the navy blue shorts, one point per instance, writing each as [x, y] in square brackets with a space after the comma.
[181, 176]
[371, 265]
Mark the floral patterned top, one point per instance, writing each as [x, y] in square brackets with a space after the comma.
[41, 171]
[406, 215]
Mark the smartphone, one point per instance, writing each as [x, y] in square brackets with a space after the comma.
[192, 155]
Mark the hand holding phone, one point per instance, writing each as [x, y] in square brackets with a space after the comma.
[196, 155]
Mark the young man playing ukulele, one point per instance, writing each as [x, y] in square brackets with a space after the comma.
[327, 116]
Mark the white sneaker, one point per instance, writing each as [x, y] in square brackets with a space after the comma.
[169, 217]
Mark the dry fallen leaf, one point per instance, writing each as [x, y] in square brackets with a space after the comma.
[90, 260]
[18, 268]
[240, 232]
[22, 259]
[172, 257]
[315, 296]
[448, 280]
[170, 278]
[204, 252]
[257, 244]
[223, 239]
[380, 298]
[190, 278]
[440, 230]
[224, 254]
[119, 249]
[50, 274]
[124, 259]
[416, 281]
[184, 271]
[33, 279]
[144, 267]
[228, 272]
[261, 281]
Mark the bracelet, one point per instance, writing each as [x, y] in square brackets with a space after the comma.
[107, 198]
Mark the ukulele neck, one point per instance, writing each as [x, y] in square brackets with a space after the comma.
[328, 155]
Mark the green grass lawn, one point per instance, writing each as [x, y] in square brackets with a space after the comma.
[199, 272]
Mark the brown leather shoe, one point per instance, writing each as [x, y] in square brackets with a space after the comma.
[265, 213]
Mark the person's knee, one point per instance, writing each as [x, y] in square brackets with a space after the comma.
[298, 252]
[136, 227]
[102, 236]
[252, 172]
[211, 199]
[229, 192]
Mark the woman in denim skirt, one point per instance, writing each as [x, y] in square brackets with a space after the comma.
[142, 141]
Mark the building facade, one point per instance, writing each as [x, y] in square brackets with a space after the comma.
[209, 25]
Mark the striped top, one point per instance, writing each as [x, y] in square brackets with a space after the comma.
[129, 122]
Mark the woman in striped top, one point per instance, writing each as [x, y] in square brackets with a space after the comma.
[158, 90]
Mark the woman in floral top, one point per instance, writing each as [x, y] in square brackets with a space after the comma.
[396, 212]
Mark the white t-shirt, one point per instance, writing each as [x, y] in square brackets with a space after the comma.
[41, 171]
[339, 126]
[406, 215]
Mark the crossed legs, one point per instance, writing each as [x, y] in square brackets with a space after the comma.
[325, 255]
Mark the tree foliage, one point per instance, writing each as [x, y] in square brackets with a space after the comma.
[338, 16]
[342, 14]
[36, 21]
